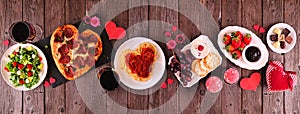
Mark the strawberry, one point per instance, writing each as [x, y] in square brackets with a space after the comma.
[29, 66]
[226, 39]
[229, 48]
[14, 64]
[236, 42]
[237, 34]
[236, 54]
[247, 38]
[242, 46]
[20, 66]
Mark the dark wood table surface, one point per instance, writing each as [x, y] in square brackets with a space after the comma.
[232, 100]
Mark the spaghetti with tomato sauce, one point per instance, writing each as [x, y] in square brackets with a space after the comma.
[140, 64]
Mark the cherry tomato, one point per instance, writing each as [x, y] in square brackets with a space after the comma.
[41, 58]
[29, 73]
[21, 81]
[15, 53]
[29, 66]
[14, 64]
[20, 66]
[6, 69]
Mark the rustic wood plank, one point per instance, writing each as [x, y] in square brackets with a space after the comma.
[214, 7]
[272, 13]
[231, 95]
[55, 101]
[74, 104]
[33, 101]
[162, 18]
[251, 16]
[10, 12]
[291, 103]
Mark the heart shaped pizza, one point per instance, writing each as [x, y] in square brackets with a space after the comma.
[74, 54]
[139, 62]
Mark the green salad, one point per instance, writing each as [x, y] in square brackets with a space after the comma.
[24, 66]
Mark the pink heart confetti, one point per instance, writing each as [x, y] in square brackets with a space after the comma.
[6, 42]
[262, 30]
[46, 84]
[256, 27]
[174, 28]
[163, 85]
[170, 81]
[52, 80]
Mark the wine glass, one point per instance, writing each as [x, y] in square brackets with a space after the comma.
[23, 32]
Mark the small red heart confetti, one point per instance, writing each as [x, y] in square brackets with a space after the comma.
[6, 42]
[114, 32]
[163, 85]
[256, 27]
[174, 28]
[170, 81]
[46, 84]
[52, 80]
[262, 30]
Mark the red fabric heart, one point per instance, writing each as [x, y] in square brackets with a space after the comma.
[170, 81]
[113, 31]
[252, 82]
[6, 42]
[46, 84]
[262, 30]
[256, 27]
[163, 85]
[52, 80]
[278, 79]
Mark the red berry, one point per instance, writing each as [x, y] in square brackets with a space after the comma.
[21, 81]
[200, 48]
[14, 64]
[29, 66]
[29, 73]
[20, 66]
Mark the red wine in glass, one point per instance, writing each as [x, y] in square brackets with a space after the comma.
[23, 31]
[109, 79]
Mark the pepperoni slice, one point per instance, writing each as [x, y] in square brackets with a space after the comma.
[79, 61]
[68, 32]
[93, 38]
[72, 44]
[89, 61]
[93, 51]
[64, 59]
[58, 38]
[214, 84]
[63, 49]
[69, 71]
[81, 50]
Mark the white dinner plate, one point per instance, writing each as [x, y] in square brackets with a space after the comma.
[255, 40]
[289, 47]
[157, 71]
[6, 75]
